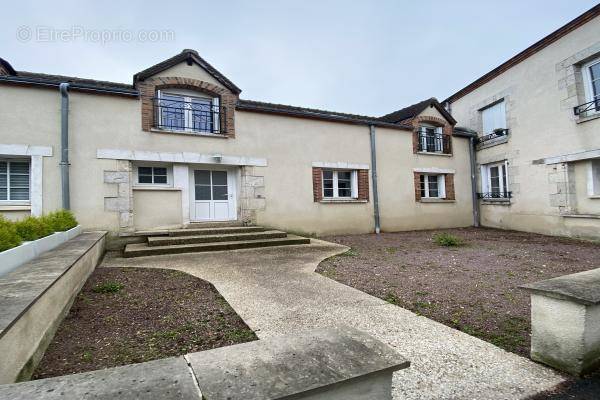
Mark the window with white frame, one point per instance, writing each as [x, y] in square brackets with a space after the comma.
[341, 184]
[594, 178]
[591, 78]
[494, 181]
[433, 186]
[153, 175]
[186, 110]
[431, 139]
[14, 180]
[493, 118]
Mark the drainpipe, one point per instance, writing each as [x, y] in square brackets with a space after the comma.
[472, 155]
[64, 145]
[374, 179]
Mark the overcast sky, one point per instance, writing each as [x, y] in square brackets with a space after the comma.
[367, 57]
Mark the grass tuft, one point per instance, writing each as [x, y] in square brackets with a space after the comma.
[107, 287]
[447, 240]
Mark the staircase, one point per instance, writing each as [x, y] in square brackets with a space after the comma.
[198, 239]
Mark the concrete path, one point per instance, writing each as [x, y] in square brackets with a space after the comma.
[276, 291]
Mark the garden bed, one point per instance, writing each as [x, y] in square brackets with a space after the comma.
[131, 315]
[472, 287]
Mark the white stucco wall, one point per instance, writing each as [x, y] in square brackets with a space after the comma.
[539, 96]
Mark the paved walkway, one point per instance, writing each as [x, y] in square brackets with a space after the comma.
[276, 291]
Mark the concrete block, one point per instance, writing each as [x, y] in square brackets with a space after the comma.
[333, 363]
[565, 322]
[167, 379]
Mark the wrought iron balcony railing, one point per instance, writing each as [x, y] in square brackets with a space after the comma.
[494, 135]
[195, 116]
[434, 143]
[586, 109]
[495, 195]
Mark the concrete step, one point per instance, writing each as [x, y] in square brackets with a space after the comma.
[227, 237]
[142, 249]
[215, 231]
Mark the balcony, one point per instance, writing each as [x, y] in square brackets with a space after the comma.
[495, 196]
[490, 138]
[197, 116]
[587, 109]
[434, 143]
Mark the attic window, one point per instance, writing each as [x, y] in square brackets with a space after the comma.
[187, 111]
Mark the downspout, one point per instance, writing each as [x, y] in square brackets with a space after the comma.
[64, 145]
[374, 179]
[472, 155]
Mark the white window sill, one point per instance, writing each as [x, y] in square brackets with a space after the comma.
[156, 188]
[493, 142]
[581, 120]
[16, 206]
[434, 153]
[435, 200]
[342, 201]
[589, 216]
[190, 133]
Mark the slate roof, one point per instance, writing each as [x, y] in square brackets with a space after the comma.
[258, 106]
[414, 110]
[190, 56]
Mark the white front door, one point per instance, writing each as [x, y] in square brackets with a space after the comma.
[213, 195]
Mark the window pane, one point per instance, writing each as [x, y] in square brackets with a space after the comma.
[343, 184]
[219, 178]
[19, 193]
[3, 180]
[344, 193]
[2, 167]
[219, 192]
[327, 174]
[19, 168]
[172, 111]
[494, 180]
[160, 179]
[328, 193]
[202, 192]
[494, 117]
[160, 171]
[202, 115]
[202, 177]
[144, 178]
[344, 175]
[433, 185]
[144, 171]
[19, 180]
[328, 184]
[422, 185]
[3, 194]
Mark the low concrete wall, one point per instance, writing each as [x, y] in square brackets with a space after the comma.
[36, 297]
[565, 322]
[335, 363]
[17, 256]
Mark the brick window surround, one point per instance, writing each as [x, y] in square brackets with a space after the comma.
[448, 183]
[149, 86]
[362, 179]
[430, 120]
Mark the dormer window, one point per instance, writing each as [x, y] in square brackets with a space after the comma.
[432, 140]
[187, 111]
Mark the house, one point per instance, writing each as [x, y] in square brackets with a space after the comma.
[537, 117]
[179, 146]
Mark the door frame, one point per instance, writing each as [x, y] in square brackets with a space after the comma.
[232, 190]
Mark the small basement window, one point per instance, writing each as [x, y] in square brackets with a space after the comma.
[594, 178]
[433, 186]
[340, 184]
[14, 180]
[153, 175]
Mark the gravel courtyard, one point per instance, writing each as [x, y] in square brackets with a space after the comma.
[472, 287]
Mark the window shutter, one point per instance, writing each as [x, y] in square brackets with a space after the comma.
[417, 180]
[362, 177]
[317, 178]
[449, 187]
